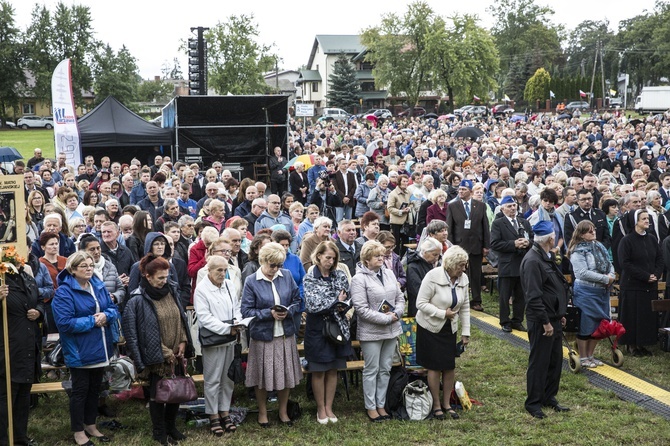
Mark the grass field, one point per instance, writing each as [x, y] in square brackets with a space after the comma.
[493, 372]
[25, 141]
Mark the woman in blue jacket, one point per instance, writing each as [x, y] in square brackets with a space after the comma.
[84, 314]
[273, 354]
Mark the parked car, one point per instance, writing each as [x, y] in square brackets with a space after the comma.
[577, 105]
[336, 114]
[46, 122]
[379, 113]
[616, 102]
[480, 110]
[502, 109]
[417, 113]
[8, 124]
[466, 108]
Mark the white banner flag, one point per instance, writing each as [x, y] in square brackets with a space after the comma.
[66, 131]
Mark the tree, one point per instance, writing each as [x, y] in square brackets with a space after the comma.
[116, 74]
[344, 89]
[465, 59]
[155, 91]
[236, 62]
[515, 79]
[580, 53]
[399, 50]
[523, 29]
[172, 71]
[50, 38]
[13, 79]
[537, 87]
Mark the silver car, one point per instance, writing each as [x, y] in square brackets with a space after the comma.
[39, 122]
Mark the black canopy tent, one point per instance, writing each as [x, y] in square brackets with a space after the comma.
[111, 125]
[236, 130]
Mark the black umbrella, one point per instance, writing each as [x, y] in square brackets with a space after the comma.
[469, 132]
[635, 122]
[593, 121]
[430, 116]
[564, 116]
[9, 154]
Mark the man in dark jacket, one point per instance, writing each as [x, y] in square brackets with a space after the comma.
[545, 291]
[54, 223]
[511, 238]
[350, 249]
[586, 211]
[118, 254]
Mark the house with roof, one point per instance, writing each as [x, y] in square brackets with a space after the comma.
[313, 81]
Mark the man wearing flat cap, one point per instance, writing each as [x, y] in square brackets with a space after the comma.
[469, 229]
[511, 238]
[546, 292]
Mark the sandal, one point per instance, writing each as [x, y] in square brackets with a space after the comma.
[215, 427]
[587, 363]
[228, 424]
[438, 414]
[452, 413]
[597, 362]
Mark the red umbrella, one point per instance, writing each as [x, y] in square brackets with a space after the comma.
[372, 118]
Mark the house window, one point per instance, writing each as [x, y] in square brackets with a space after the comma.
[315, 87]
[367, 86]
[28, 108]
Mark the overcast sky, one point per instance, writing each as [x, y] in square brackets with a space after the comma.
[152, 30]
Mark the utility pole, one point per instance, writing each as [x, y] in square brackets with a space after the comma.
[593, 78]
[602, 75]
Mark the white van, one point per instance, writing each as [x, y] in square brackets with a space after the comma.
[335, 113]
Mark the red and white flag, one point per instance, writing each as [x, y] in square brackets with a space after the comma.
[66, 131]
[476, 98]
[582, 94]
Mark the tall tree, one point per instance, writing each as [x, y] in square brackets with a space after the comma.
[399, 50]
[172, 70]
[523, 29]
[236, 61]
[465, 59]
[13, 78]
[344, 89]
[52, 37]
[580, 53]
[155, 91]
[116, 74]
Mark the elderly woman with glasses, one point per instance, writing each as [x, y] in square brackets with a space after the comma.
[85, 316]
[441, 303]
[379, 304]
[271, 297]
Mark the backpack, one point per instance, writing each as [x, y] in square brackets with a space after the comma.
[418, 400]
[394, 393]
[120, 374]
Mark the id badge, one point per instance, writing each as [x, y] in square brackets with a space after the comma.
[467, 224]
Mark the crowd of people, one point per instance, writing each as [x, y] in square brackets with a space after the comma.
[378, 222]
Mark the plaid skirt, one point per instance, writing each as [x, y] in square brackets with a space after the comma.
[273, 365]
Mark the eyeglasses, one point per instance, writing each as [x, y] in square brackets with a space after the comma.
[275, 265]
[79, 226]
[222, 251]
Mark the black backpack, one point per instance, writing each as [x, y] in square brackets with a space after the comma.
[397, 383]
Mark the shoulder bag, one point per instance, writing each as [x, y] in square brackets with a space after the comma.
[208, 338]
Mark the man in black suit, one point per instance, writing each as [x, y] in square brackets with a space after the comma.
[350, 249]
[511, 238]
[469, 229]
[345, 186]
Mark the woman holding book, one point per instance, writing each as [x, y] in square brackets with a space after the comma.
[271, 297]
[379, 303]
[326, 294]
[441, 303]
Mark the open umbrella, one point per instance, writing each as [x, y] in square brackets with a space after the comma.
[635, 122]
[517, 118]
[430, 116]
[370, 149]
[307, 160]
[9, 154]
[597, 122]
[564, 116]
[445, 117]
[469, 132]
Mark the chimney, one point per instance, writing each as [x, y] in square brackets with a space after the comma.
[157, 78]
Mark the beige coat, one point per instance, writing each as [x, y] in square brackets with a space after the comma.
[435, 297]
[395, 200]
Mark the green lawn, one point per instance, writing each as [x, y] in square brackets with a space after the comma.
[493, 372]
[25, 141]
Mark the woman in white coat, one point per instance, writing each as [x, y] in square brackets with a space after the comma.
[442, 301]
[217, 308]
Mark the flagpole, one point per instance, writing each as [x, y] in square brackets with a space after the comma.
[8, 373]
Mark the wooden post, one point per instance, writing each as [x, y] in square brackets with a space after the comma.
[8, 371]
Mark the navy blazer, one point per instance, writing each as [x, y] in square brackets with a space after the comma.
[258, 300]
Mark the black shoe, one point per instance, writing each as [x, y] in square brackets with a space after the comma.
[264, 425]
[477, 307]
[288, 423]
[101, 438]
[538, 414]
[451, 412]
[644, 351]
[558, 408]
[88, 443]
[519, 327]
[506, 328]
[377, 419]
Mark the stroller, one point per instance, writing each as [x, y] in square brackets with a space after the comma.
[606, 329]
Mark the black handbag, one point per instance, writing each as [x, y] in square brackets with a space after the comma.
[332, 332]
[210, 339]
[235, 372]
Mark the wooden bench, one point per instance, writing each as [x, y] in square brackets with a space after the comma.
[56, 387]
